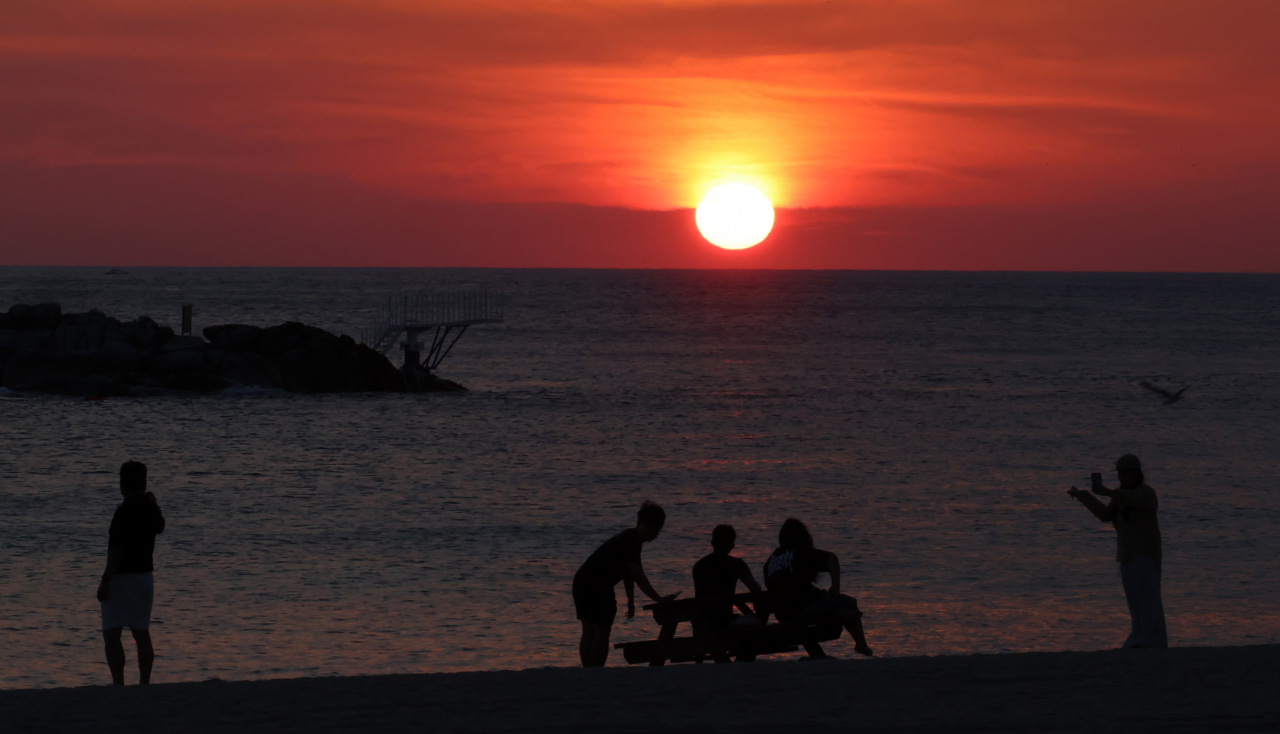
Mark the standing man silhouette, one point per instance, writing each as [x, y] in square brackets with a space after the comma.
[1132, 510]
[127, 586]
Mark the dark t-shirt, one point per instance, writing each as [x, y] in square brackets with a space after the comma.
[717, 575]
[134, 528]
[790, 576]
[608, 565]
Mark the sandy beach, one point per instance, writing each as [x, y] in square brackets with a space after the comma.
[1179, 690]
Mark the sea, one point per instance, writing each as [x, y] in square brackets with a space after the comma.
[924, 425]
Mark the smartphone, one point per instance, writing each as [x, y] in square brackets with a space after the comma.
[1096, 478]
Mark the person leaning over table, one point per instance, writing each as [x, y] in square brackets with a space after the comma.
[1132, 511]
[618, 559]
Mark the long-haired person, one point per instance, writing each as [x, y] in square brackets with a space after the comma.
[791, 574]
[1132, 511]
[617, 560]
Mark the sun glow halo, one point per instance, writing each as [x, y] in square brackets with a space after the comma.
[734, 216]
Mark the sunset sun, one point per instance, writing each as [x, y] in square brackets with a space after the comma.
[735, 216]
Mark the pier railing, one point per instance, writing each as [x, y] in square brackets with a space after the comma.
[428, 310]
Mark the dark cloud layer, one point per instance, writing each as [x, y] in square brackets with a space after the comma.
[164, 215]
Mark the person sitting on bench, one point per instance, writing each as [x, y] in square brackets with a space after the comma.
[790, 574]
[617, 560]
[715, 579]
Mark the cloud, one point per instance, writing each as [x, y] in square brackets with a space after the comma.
[643, 104]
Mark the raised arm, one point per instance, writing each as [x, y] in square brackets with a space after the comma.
[833, 568]
[1101, 511]
[749, 581]
[637, 575]
[158, 520]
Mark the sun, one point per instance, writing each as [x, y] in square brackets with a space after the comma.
[735, 216]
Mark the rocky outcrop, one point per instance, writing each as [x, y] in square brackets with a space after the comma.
[44, 350]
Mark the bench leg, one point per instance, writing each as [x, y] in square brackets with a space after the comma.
[814, 649]
[660, 655]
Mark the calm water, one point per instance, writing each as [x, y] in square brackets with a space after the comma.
[925, 426]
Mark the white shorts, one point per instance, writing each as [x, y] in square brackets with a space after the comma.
[128, 601]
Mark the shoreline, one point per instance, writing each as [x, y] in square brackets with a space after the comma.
[1195, 689]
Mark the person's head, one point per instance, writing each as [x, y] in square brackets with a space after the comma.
[650, 519]
[133, 478]
[794, 535]
[723, 538]
[1129, 472]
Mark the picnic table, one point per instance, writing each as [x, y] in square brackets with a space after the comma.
[742, 643]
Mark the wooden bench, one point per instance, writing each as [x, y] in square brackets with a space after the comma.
[739, 642]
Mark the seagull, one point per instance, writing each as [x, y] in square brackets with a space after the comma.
[1169, 397]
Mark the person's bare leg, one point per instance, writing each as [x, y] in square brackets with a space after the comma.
[146, 655]
[115, 654]
[601, 646]
[585, 649]
[594, 647]
[853, 622]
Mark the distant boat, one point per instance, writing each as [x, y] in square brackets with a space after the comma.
[116, 271]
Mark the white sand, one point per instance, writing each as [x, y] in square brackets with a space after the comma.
[1182, 690]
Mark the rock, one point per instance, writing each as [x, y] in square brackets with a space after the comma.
[44, 316]
[310, 359]
[42, 349]
[93, 336]
[189, 382]
[70, 372]
[71, 338]
[186, 360]
[252, 370]
[431, 383]
[18, 316]
[233, 337]
[179, 343]
[217, 359]
[12, 342]
[113, 358]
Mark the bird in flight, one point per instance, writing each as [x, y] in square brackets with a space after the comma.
[1169, 397]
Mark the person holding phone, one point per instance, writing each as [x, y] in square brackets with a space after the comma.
[1132, 511]
[618, 559]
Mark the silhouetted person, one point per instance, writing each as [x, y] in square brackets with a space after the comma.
[791, 573]
[617, 560]
[1132, 511]
[127, 587]
[715, 579]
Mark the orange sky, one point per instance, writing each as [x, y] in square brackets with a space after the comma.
[958, 135]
